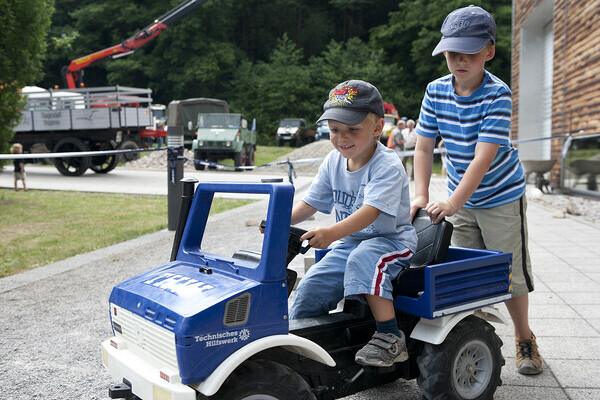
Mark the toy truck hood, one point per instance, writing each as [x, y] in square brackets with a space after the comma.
[176, 291]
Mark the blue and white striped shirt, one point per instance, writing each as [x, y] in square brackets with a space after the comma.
[484, 116]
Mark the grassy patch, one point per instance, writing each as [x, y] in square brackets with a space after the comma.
[265, 154]
[41, 227]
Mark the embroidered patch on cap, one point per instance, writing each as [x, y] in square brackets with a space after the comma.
[343, 96]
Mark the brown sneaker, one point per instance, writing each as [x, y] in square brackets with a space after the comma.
[528, 359]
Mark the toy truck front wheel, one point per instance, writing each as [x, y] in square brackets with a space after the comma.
[263, 379]
[466, 365]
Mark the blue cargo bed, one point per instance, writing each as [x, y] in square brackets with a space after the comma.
[468, 279]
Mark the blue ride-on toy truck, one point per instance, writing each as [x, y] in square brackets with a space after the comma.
[208, 326]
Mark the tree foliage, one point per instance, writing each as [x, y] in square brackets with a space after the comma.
[269, 59]
[22, 45]
[412, 33]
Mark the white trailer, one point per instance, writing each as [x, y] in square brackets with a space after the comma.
[90, 119]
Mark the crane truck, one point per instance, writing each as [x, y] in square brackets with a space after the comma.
[79, 119]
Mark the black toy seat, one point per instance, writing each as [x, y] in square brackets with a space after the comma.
[433, 241]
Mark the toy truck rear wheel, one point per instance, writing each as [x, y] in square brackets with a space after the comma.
[466, 365]
[263, 379]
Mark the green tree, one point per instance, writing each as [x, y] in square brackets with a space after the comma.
[285, 86]
[353, 59]
[412, 33]
[274, 90]
[22, 46]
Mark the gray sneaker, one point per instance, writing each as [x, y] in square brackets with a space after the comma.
[383, 350]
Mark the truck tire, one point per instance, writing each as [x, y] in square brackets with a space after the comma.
[214, 160]
[129, 145]
[466, 365]
[250, 156]
[279, 142]
[239, 159]
[198, 156]
[106, 163]
[71, 166]
[263, 379]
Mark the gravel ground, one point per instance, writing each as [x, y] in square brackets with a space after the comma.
[586, 209]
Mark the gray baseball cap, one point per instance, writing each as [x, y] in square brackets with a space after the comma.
[350, 102]
[466, 30]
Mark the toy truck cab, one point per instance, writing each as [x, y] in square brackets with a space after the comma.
[206, 326]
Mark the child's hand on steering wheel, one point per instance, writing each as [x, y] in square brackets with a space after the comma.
[319, 238]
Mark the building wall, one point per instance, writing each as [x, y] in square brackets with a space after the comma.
[576, 70]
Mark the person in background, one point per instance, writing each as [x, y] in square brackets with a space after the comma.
[19, 165]
[160, 140]
[410, 140]
[443, 158]
[396, 140]
[471, 110]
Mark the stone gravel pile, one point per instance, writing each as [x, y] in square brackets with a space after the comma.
[158, 160]
[587, 209]
[319, 149]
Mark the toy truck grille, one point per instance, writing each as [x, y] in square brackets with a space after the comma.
[145, 337]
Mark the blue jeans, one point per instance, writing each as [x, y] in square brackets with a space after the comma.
[351, 269]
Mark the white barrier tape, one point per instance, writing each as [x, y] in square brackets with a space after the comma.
[403, 153]
[29, 156]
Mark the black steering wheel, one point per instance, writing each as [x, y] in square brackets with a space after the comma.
[294, 248]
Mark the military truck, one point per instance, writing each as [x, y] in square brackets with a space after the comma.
[222, 136]
[185, 113]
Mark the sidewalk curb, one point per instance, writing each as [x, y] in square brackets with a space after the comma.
[15, 281]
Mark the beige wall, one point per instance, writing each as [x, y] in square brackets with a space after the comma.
[576, 76]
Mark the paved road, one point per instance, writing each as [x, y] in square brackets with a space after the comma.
[134, 181]
[53, 318]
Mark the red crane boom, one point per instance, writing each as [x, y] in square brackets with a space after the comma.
[73, 73]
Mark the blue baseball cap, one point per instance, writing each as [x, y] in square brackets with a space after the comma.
[351, 101]
[466, 30]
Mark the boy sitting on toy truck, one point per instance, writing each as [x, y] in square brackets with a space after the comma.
[365, 183]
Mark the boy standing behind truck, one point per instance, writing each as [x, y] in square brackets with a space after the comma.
[471, 110]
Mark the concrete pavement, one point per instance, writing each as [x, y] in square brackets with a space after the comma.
[133, 181]
[53, 319]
